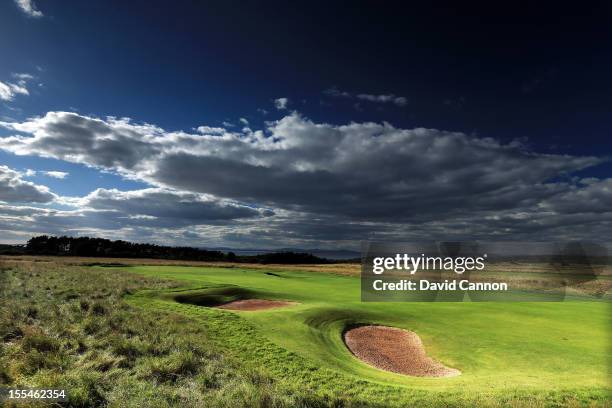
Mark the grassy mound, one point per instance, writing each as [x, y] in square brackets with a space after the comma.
[214, 296]
[68, 327]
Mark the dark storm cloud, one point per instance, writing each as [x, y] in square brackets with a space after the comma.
[324, 182]
[371, 172]
[243, 181]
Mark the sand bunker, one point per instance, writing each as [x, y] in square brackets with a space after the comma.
[396, 350]
[255, 304]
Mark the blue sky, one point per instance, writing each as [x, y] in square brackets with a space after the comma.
[471, 122]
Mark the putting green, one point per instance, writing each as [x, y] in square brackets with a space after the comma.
[505, 351]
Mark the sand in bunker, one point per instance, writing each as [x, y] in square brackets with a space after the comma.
[396, 350]
[255, 304]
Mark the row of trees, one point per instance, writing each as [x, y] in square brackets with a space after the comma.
[100, 247]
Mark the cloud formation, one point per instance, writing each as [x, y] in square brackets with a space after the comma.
[322, 182]
[173, 207]
[56, 174]
[210, 130]
[29, 8]
[14, 189]
[9, 90]
[381, 98]
[281, 103]
[388, 98]
[151, 215]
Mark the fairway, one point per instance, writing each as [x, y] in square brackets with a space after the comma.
[545, 353]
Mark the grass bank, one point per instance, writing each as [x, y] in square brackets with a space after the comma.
[69, 327]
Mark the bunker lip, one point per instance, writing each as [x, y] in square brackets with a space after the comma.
[396, 350]
[255, 304]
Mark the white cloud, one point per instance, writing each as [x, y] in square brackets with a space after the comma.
[56, 174]
[28, 7]
[389, 98]
[14, 189]
[23, 76]
[382, 98]
[210, 130]
[8, 90]
[281, 103]
[244, 121]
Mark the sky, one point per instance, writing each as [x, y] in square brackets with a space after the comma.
[305, 125]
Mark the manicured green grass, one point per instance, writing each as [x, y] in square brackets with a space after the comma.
[518, 354]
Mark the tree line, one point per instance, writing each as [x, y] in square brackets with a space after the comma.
[105, 248]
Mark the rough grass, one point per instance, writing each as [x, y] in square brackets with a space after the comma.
[339, 268]
[68, 327]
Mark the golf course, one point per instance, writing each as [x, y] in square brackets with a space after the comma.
[517, 354]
